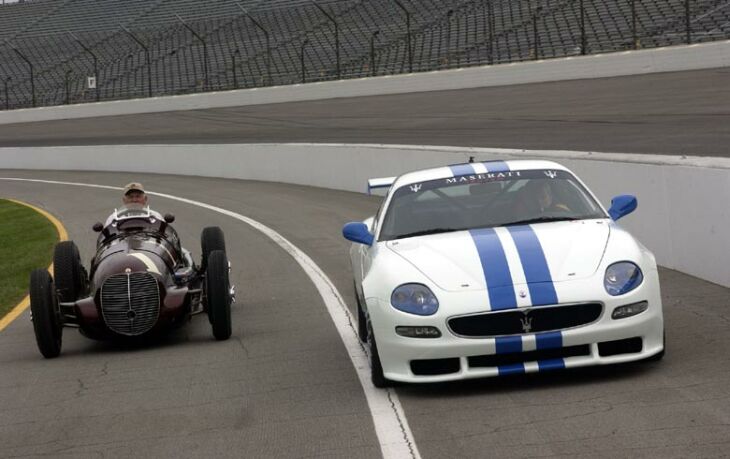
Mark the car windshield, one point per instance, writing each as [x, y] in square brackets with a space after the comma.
[487, 200]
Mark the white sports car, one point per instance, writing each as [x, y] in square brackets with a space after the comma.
[497, 268]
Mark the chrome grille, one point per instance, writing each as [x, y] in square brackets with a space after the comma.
[130, 303]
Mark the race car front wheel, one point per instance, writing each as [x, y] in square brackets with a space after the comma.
[211, 239]
[68, 271]
[376, 368]
[46, 317]
[362, 326]
[218, 294]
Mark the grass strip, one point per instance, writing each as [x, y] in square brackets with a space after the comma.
[27, 239]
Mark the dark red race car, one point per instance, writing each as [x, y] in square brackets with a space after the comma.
[141, 282]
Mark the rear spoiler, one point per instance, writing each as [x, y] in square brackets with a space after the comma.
[376, 183]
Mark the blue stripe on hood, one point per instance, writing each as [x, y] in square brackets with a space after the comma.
[496, 270]
[537, 273]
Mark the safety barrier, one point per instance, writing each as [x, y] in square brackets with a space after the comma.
[683, 214]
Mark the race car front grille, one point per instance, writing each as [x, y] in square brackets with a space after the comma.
[130, 303]
[525, 320]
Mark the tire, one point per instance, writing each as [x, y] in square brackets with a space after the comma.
[218, 295]
[376, 368]
[362, 324]
[211, 239]
[44, 307]
[68, 271]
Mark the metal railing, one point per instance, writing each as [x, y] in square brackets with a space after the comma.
[181, 47]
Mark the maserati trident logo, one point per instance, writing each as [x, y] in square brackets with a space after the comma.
[551, 174]
[416, 188]
[526, 324]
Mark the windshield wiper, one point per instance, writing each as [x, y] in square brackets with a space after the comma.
[530, 221]
[427, 232]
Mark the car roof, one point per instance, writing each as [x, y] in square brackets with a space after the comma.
[475, 168]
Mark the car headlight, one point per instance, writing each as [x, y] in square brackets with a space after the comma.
[622, 277]
[415, 299]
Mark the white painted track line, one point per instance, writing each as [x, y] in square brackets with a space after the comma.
[391, 426]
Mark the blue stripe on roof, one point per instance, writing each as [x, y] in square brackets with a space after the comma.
[550, 340]
[496, 166]
[551, 364]
[537, 273]
[462, 169]
[513, 369]
[509, 344]
[496, 270]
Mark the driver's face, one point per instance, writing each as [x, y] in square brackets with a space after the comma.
[135, 197]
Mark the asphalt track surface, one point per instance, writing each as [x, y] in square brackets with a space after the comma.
[681, 113]
[283, 385]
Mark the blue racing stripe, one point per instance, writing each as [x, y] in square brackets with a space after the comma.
[552, 364]
[513, 369]
[550, 340]
[462, 169]
[537, 273]
[496, 166]
[496, 270]
[509, 344]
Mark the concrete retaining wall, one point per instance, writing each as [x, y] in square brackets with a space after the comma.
[683, 215]
[671, 59]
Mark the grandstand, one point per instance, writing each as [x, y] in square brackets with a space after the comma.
[137, 48]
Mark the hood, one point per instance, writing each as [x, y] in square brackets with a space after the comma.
[512, 256]
[133, 254]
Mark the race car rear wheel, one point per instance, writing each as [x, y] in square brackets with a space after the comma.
[376, 368]
[46, 318]
[218, 294]
[68, 271]
[211, 239]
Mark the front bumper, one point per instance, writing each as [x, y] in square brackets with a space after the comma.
[455, 358]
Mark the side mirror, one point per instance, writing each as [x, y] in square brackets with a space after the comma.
[97, 227]
[622, 205]
[169, 218]
[357, 232]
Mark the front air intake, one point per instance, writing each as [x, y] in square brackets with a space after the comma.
[130, 303]
[521, 321]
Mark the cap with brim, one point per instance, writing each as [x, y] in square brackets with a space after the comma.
[134, 186]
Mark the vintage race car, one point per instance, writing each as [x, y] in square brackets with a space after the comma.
[497, 268]
[141, 282]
